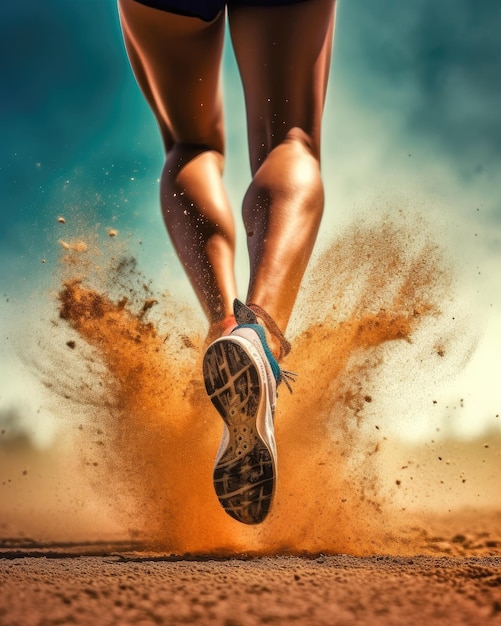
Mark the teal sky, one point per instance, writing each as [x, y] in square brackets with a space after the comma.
[413, 109]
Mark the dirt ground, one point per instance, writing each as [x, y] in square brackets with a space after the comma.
[454, 578]
[327, 590]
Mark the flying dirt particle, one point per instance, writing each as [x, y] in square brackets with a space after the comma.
[187, 342]
[440, 351]
[71, 344]
[61, 220]
[151, 429]
[398, 483]
[25, 472]
[148, 304]
[75, 246]
[88, 306]
[43, 261]
[112, 232]
[486, 445]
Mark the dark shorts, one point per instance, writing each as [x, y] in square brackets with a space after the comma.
[207, 9]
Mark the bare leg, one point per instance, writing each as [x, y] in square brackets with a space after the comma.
[283, 55]
[176, 61]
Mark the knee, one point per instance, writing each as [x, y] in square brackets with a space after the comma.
[301, 159]
[304, 142]
[293, 164]
[290, 175]
[182, 156]
[296, 141]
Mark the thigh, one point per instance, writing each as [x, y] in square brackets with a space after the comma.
[176, 60]
[283, 53]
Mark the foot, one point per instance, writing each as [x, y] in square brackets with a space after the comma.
[240, 375]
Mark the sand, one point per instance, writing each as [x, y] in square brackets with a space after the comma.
[54, 586]
[363, 530]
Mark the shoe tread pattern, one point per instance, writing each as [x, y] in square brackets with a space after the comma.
[244, 477]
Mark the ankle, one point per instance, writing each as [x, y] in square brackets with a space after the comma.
[220, 328]
[277, 342]
[271, 340]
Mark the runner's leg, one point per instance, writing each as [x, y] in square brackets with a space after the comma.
[176, 61]
[283, 55]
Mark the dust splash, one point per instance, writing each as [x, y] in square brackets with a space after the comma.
[154, 434]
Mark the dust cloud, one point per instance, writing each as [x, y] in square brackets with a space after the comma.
[146, 434]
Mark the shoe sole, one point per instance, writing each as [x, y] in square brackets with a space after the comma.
[244, 476]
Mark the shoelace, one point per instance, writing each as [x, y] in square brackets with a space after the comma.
[287, 377]
[285, 346]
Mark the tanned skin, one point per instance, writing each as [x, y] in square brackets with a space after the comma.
[283, 54]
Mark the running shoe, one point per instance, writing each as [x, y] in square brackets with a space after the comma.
[241, 377]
